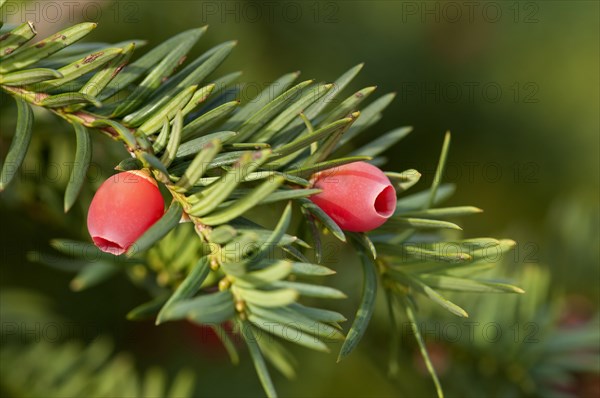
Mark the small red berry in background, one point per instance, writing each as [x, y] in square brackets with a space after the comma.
[357, 196]
[207, 340]
[123, 208]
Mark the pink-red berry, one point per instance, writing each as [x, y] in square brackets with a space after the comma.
[123, 208]
[357, 196]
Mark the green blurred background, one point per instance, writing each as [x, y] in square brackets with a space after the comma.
[517, 83]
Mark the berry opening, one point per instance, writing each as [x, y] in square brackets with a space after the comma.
[108, 246]
[385, 203]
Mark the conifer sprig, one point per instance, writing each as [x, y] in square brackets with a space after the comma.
[220, 158]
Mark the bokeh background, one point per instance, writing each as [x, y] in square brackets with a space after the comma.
[517, 83]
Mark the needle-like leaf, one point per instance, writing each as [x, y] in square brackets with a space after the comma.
[44, 48]
[83, 158]
[19, 144]
[190, 285]
[365, 308]
[257, 359]
[14, 39]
